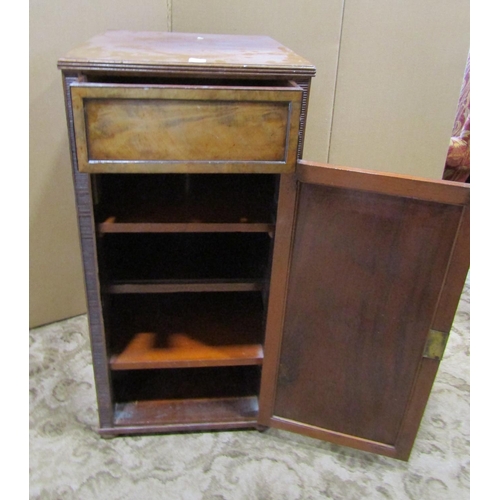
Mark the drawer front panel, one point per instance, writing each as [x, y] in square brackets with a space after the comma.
[195, 129]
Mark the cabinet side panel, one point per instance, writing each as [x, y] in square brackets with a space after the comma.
[84, 206]
[366, 274]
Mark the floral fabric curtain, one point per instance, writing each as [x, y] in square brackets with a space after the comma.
[457, 167]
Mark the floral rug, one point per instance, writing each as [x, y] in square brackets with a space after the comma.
[68, 460]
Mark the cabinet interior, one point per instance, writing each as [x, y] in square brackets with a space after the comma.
[185, 202]
[184, 275]
[187, 398]
[123, 79]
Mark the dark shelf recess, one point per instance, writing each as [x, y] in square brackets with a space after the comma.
[187, 399]
[173, 257]
[186, 203]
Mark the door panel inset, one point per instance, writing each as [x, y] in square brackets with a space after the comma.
[366, 274]
[366, 278]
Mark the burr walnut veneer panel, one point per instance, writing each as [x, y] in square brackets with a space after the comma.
[186, 129]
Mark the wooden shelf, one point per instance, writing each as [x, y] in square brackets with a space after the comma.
[185, 330]
[182, 350]
[134, 203]
[111, 226]
[185, 399]
[192, 414]
[177, 286]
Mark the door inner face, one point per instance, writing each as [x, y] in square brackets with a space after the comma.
[365, 277]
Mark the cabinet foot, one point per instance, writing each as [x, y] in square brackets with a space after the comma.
[107, 435]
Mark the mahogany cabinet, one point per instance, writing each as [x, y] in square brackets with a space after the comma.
[231, 284]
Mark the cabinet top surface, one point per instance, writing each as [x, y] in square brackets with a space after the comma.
[127, 50]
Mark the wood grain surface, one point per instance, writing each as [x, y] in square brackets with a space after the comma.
[186, 129]
[86, 224]
[185, 330]
[367, 266]
[186, 52]
[366, 274]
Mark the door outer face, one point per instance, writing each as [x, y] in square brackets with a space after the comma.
[368, 270]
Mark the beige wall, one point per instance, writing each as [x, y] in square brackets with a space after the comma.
[399, 65]
[400, 72]
[56, 26]
[309, 27]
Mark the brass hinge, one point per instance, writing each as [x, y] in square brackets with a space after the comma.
[436, 342]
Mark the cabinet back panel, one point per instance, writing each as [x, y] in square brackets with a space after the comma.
[189, 198]
[365, 278]
[195, 256]
[186, 383]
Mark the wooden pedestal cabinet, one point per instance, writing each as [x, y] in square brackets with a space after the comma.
[231, 284]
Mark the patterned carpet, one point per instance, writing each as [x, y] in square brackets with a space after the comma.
[68, 460]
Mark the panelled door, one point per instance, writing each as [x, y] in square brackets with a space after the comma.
[367, 274]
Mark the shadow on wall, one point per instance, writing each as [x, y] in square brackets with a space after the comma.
[56, 278]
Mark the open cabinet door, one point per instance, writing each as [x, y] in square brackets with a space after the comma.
[367, 274]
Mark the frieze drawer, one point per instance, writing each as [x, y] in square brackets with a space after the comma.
[185, 129]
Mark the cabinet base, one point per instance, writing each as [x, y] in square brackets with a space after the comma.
[148, 417]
